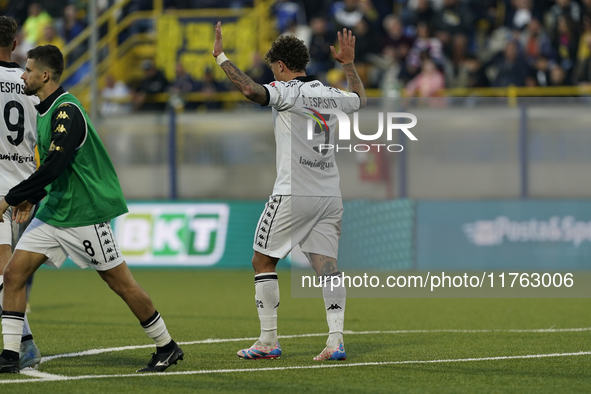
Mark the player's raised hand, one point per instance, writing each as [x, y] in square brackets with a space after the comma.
[22, 212]
[346, 52]
[217, 45]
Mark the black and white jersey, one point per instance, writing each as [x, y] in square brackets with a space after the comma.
[305, 113]
[18, 132]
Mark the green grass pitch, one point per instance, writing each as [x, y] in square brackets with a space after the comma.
[74, 311]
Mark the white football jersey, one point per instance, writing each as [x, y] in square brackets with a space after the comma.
[305, 120]
[18, 128]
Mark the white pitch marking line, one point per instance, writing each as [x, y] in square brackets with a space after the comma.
[319, 366]
[42, 375]
[225, 340]
[94, 351]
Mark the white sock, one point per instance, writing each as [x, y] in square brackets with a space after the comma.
[26, 327]
[334, 302]
[12, 330]
[156, 329]
[266, 287]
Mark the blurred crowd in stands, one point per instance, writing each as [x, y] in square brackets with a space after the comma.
[417, 47]
[42, 23]
[423, 46]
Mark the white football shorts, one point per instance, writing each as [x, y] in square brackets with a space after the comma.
[314, 223]
[6, 228]
[88, 246]
[10, 232]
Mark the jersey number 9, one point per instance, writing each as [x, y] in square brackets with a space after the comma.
[19, 126]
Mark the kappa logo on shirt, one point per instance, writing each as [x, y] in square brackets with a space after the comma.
[62, 115]
[60, 129]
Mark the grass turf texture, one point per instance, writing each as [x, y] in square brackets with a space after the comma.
[74, 310]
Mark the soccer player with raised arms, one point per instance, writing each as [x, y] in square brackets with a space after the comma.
[18, 137]
[306, 206]
[82, 194]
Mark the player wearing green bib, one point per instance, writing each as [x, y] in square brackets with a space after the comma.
[88, 192]
[81, 195]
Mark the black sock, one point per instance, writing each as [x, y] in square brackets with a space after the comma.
[9, 355]
[151, 320]
[166, 348]
[26, 338]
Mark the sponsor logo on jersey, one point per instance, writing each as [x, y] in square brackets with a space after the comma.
[15, 157]
[322, 128]
[177, 234]
[62, 115]
[317, 116]
[320, 164]
[60, 129]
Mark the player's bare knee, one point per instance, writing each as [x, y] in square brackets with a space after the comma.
[14, 277]
[255, 263]
[262, 263]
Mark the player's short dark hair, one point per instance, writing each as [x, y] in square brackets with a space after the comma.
[289, 50]
[8, 29]
[49, 57]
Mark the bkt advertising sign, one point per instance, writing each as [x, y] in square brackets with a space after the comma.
[173, 234]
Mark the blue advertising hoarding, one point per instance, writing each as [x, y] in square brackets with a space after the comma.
[524, 235]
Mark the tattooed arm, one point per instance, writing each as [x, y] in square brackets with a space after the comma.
[354, 82]
[346, 56]
[251, 90]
